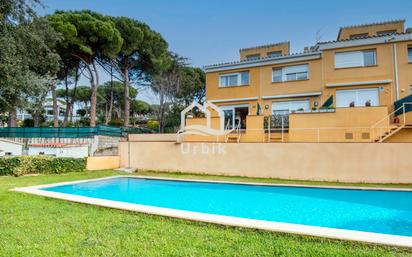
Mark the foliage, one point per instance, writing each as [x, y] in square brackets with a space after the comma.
[116, 122]
[153, 124]
[139, 107]
[23, 165]
[27, 64]
[176, 85]
[113, 92]
[39, 226]
[192, 87]
[87, 36]
[17, 11]
[135, 61]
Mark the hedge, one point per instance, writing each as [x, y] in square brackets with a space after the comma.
[22, 165]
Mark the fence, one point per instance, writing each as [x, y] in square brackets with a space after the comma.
[62, 132]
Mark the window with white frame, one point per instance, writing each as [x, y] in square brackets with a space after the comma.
[357, 97]
[355, 59]
[290, 106]
[410, 54]
[290, 73]
[234, 79]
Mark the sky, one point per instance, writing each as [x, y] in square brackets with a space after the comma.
[213, 31]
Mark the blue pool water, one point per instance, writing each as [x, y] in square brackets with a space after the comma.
[388, 212]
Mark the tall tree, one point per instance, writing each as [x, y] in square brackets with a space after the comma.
[166, 84]
[192, 86]
[88, 36]
[111, 94]
[27, 63]
[141, 46]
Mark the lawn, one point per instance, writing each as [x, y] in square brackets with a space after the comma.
[38, 226]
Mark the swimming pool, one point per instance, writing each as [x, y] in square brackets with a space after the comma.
[298, 209]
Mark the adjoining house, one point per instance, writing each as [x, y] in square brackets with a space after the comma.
[356, 88]
[59, 150]
[10, 148]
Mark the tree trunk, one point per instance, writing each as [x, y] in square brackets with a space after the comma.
[67, 111]
[55, 109]
[161, 112]
[73, 97]
[126, 95]
[109, 110]
[94, 81]
[36, 118]
[12, 119]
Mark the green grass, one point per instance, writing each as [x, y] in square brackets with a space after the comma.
[38, 226]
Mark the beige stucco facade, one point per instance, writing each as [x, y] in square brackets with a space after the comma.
[371, 29]
[390, 76]
[263, 51]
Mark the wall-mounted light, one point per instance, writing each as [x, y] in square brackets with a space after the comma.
[266, 107]
[315, 103]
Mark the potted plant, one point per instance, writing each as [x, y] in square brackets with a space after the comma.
[368, 103]
[352, 104]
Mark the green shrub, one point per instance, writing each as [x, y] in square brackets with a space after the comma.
[22, 165]
[152, 124]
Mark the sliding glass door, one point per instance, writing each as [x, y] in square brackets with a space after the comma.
[235, 115]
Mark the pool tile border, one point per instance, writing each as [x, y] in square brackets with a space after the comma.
[341, 234]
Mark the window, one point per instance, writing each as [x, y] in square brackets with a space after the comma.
[357, 97]
[410, 54]
[410, 90]
[274, 54]
[386, 32]
[356, 36]
[234, 79]
[289, 106]
[290, 73]
[253, 57]
[355, 59]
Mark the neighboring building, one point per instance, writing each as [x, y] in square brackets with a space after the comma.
[352, 83]
[48, 112]
[10, 148]
[59, 150]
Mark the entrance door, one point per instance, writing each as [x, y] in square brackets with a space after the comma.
[234, 115]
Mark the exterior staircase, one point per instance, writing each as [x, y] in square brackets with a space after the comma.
[274, 137]
[233, 138]
[393, 129]
[393, 123]
[234, 135]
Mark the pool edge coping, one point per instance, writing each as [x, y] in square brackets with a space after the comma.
[283, 227]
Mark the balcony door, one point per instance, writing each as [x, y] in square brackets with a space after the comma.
[234, 115]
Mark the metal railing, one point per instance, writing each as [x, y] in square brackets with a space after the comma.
[276, 123]
[229, 131]
[391, 122]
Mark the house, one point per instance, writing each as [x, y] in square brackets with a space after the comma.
[10, 148]
[48, 112]
[356, 88]
[59, 149]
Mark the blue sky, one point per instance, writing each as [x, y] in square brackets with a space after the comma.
[212, 31]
